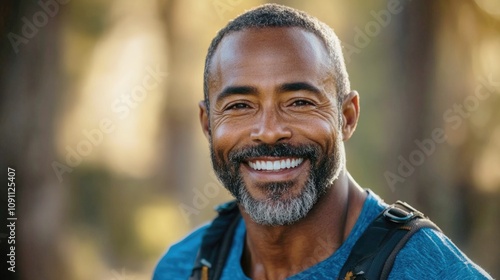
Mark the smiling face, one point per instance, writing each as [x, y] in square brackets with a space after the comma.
[274, 122]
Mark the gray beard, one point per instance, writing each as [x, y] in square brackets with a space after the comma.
[279, 207]
[276, 210]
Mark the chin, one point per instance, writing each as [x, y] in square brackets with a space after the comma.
[278, 208]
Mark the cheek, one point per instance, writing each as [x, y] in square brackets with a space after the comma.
[225, 136]
[320, 129]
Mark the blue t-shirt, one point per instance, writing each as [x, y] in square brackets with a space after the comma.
[427, 255]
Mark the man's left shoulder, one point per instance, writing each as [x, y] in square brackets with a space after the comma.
[429, 254]
[179, 259]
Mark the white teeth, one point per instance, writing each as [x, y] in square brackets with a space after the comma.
[275, 165]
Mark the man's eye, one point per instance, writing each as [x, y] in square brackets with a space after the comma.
[300, 103]
[238, 106]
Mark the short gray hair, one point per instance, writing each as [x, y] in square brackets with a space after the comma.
[274, 15]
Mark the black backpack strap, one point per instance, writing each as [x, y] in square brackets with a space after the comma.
[373, 255]
[216, 243]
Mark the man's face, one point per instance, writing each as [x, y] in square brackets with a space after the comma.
[274, 122]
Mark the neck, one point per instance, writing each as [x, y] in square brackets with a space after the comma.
[277, 252]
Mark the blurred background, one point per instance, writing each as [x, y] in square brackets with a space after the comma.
[99, 119]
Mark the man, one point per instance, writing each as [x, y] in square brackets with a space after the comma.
[277, 109]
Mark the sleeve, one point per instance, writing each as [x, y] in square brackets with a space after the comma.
[178, 262]
[429, 254]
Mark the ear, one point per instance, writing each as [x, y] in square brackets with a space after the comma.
[205, 124]
[350, 114]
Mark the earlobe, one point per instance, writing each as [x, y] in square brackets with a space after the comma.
[205, 124]
[350, 114]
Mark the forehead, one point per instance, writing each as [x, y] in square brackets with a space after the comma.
[272, 55]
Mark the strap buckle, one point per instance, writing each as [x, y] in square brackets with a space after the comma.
[401, 214]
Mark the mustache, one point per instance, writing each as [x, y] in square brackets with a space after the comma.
[308, 151]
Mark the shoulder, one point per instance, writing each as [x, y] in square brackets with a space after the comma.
[179, 259]
[429, 254]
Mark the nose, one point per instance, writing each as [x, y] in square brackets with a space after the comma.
[270, 128]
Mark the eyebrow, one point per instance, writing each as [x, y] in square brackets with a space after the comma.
[236, 90]
[299, 86]
[286, 87]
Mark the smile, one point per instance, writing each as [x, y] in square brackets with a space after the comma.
[275, 165]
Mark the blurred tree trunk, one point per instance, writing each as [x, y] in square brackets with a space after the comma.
[430, 185]
[182, 156]
[420, 108]
[414, 63]
[177, 134]
[178, 113]
[29, 92]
